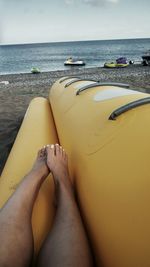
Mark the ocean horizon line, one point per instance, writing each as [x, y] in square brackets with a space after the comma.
[75, 41]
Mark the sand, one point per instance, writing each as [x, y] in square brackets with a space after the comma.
[22, 88]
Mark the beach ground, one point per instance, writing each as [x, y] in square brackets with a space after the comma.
[22, 88]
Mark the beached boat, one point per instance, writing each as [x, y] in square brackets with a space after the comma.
[146, 58]
[108, 163]
[71, 62]
[115, 65]
[35, 70]
[119, 63]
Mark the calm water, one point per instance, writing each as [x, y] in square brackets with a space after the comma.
[51, 56]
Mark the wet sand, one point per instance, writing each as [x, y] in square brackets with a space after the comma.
[22, 88]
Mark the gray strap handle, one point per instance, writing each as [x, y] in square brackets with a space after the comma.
[66, 78]
[96, 84]
[129, 106]
[78, 80]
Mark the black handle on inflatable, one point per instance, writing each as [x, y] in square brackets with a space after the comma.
[78, 80]
[71, 82]
[75, 79]
[96, 84]
[66, 78]
[129, 106]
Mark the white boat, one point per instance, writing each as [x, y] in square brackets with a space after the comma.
[71, 62]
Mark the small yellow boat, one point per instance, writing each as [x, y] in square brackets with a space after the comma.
[120, 62]
[115, 65]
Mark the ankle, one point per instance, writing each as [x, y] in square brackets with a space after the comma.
[37, 174]
[64, 184]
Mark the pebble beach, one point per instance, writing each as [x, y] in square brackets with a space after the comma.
[22, 88]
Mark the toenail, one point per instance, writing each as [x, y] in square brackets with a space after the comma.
[47, 145]
[52, 146]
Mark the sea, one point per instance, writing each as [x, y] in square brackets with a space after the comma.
[21, 58]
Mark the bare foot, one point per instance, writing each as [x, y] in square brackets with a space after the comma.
[57, 162]
[40, 166]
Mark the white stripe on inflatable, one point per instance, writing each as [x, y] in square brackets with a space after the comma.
[113, 93]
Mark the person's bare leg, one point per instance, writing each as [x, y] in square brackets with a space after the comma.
[16, 237]
[66, 244]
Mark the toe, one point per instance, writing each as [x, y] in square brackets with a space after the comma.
[50, 149]
[39, 155]
[61, 150]
[43, 152]
[57, 149]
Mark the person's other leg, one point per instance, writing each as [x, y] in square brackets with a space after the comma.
[66, 244]
[16, 237]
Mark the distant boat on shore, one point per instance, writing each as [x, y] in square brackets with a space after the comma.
[71, 62]
[35, 70]
[115, 65]
[119, 63]
[146, 58]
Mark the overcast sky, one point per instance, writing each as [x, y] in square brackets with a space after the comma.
[28, 21]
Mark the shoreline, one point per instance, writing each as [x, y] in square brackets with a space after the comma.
[22, 88]
[133, 74]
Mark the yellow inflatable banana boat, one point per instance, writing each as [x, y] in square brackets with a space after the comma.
[37, 130]
[105, 129]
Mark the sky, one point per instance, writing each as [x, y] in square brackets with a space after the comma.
[38, 21]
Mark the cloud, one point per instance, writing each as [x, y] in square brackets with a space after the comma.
[92, 2]
[113, 1]
[69, 2]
